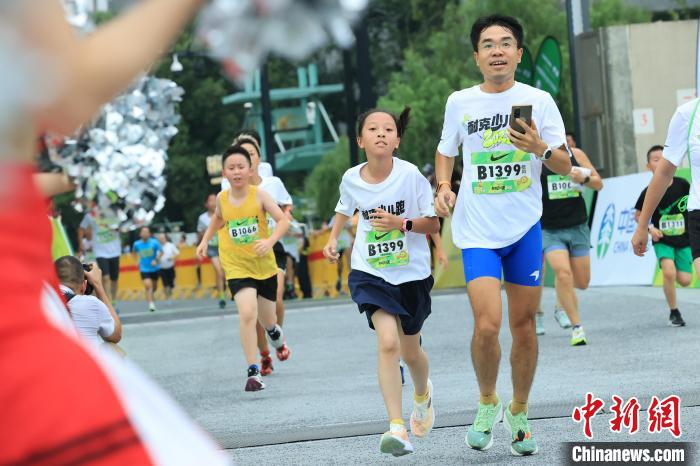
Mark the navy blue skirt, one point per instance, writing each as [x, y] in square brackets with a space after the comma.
[409, 301]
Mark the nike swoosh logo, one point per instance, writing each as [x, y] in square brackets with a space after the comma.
[381, 236]
[240, 222]
[495, 158]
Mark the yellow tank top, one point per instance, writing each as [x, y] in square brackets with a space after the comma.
[243, 225]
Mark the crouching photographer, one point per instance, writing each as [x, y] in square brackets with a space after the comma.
[94, 316]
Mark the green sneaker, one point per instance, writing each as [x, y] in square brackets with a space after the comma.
[522, 443]
[480, 433]
[578, 337]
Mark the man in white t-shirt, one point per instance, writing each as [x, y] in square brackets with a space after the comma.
[496, 220]
[683, 139]
[106, 245]
[213, 248]
[94, 316]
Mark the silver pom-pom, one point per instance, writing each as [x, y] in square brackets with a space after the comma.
[119, 161]
[241, 33]
[78, 15]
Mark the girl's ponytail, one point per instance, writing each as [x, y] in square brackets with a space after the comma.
[402, 121]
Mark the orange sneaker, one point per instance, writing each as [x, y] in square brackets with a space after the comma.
[423, 415]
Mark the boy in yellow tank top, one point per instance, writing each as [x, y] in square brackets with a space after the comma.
[245, 250]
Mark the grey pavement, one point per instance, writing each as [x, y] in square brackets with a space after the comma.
[323, 406]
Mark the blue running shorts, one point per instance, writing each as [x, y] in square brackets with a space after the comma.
[520, 262]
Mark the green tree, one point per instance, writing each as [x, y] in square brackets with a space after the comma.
[615, 12]
[322, 184]
[427, 79]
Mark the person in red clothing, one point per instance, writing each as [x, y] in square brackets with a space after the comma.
[62, 402]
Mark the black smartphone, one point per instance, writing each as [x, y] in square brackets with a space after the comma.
[520, 111]
[89, 289]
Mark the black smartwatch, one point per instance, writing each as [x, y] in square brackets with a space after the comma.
[547, 154]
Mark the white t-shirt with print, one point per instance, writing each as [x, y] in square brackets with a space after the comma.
[106, 242]
[500, 196]
[684, 139]
[393, 256]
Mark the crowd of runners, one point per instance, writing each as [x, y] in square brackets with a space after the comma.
[520, 202]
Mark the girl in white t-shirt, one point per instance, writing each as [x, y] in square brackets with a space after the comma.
[390, 279]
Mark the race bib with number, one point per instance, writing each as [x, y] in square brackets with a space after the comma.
[498, 172]
[672, 225]
[561, 187]
[386, 249]
[104, 233]
[145, 253]
[244, 230]
[106, 236]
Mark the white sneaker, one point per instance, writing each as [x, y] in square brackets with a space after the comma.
[395, 442]
[539, 323]
[562, 318]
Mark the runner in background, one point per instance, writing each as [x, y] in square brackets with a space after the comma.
[106, 243]
[669, 235]
[683, 140]
[148, 252]
[167, 266]
[566, 238]
[213, 251]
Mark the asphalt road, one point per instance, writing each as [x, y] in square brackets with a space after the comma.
[323, 406]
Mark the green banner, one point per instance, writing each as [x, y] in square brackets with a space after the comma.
[60, 246]
[548, 67]
[524, 71]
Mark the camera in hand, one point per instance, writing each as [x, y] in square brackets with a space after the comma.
[89, 289]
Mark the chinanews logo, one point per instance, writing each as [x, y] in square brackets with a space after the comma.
[605, 233]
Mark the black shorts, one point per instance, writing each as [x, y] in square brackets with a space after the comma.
[266, 288]
[152, 275]
[109, 267]
[280, 256]
[410, 301]
[694, 232]
[168, 277]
